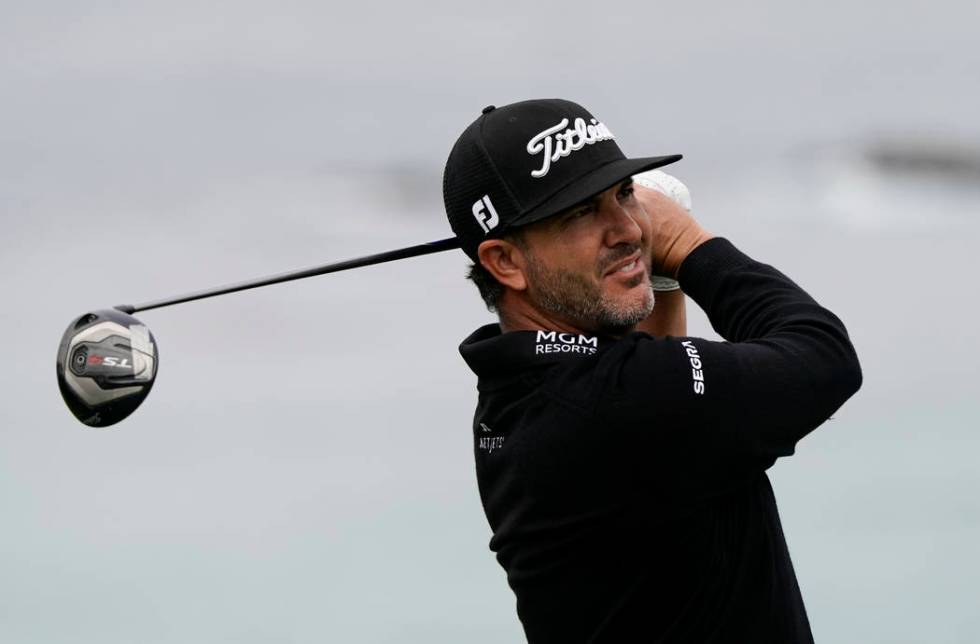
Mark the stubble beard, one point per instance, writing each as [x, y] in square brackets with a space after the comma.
[581, 301]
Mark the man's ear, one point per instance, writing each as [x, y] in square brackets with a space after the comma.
[505, 261]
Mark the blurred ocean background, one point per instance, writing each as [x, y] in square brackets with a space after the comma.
[302, 471]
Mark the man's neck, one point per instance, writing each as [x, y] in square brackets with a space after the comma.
[510, 322]
[517, 314]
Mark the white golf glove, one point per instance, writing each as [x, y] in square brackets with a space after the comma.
[676, 190]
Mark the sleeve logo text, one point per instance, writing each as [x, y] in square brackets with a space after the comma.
[697, 370]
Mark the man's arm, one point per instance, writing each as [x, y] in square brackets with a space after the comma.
[721, 409]
[669, 315]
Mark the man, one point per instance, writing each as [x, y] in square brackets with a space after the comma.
[622, 470]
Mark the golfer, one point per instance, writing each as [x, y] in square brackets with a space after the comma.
[622, 465]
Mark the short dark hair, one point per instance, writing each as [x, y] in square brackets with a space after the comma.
[490, 289]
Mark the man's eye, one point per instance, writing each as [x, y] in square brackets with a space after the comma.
[579, 212]
[626, 192]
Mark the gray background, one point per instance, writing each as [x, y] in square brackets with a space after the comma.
[302, 471]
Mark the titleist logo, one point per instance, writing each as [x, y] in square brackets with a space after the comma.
[555, 144]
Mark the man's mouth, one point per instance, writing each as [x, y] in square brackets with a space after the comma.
[626, 266]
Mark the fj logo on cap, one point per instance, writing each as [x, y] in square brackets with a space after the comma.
[555, 144]
[485, 214]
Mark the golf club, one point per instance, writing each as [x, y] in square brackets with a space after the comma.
[108, 360]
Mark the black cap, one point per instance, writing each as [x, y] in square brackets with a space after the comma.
[526, 161]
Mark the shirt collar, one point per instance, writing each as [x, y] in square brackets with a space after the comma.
[490, 352]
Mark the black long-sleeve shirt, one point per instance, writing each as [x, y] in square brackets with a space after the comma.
[624, 479]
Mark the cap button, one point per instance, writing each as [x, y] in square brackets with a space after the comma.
[489, 108]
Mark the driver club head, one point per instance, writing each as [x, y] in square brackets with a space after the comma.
[107, 362]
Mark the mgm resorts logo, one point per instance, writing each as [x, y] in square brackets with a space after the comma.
[554, 342]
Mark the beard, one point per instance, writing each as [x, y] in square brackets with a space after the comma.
[580, 300]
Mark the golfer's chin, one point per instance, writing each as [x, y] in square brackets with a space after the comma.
[630, 300]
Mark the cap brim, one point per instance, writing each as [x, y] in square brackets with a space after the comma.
[591, 184]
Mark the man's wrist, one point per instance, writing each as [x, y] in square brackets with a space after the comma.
[683, 250]
[663, 284]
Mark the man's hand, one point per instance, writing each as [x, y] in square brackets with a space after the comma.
[675, 232]
[676, 190]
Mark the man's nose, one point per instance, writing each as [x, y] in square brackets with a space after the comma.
[620, 226]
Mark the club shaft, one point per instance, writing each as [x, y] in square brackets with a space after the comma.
[368, 260]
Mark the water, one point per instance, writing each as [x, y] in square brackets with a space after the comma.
[302, 470]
